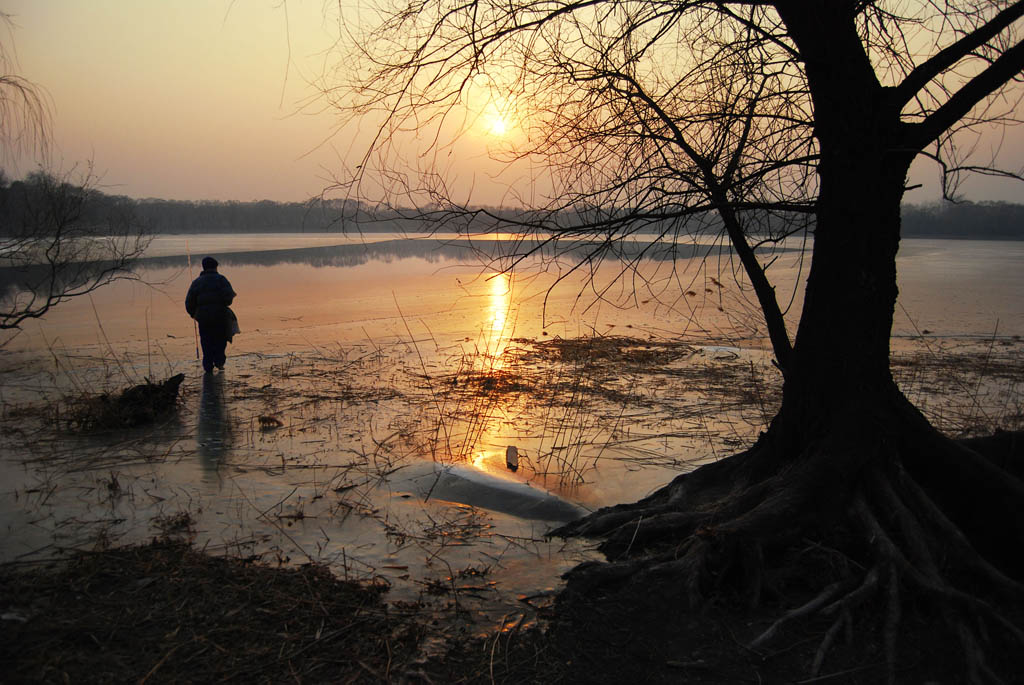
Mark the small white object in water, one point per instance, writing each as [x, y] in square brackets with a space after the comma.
[512, 458]
[465, 484]
[720, 352]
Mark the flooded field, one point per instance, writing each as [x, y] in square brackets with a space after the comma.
[382, 388]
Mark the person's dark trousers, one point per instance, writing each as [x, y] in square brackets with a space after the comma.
[215, 343]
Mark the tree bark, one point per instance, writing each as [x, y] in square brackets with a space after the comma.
[841, 350]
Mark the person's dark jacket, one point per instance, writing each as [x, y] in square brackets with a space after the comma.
[208, 298]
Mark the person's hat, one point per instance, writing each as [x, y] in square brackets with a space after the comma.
[209, 263]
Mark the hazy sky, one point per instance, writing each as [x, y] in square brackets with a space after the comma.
[183, 99]
[200, 99]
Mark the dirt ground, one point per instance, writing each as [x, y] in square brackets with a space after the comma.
[166, 613]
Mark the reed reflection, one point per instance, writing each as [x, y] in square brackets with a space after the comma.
[213, 434]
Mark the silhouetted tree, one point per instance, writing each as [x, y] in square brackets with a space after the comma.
[24, 110]
[58, 239]
[776, 116]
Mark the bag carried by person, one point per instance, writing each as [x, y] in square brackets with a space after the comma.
[232, 324]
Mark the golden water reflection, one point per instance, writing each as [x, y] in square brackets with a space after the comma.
[554, 447]
[499, 325]
[497, 330]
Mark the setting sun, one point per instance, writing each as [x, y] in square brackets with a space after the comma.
[499, 126]
[498, 117]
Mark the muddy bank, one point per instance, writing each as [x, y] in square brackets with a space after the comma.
[166, 613]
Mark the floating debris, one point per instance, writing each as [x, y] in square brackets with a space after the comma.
[512, 458]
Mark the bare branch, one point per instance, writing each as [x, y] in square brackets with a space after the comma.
[61, 240]
[25, 111]
[950, 55]
[1008, 66]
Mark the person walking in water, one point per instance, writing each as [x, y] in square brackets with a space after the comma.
[207, 302]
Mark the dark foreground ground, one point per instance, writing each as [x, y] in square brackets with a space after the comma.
[164, 612]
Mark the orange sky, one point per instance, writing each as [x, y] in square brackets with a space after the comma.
[186, 99]
[200, 99]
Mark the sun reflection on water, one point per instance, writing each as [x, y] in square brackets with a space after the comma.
[498, 325]
[497, 329]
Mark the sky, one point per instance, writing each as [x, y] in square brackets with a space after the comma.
[203, 100]
[182, 99]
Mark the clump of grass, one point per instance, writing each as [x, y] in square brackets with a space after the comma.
[179, 523]
[486, 382]
[618, 350]
[132, 407]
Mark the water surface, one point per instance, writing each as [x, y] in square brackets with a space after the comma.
[378, 352]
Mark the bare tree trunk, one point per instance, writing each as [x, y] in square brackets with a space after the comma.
[842, 342]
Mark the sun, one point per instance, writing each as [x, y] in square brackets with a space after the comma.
[499, 118]
[493, 108]
[498, 125]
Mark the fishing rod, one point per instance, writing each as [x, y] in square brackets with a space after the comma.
[195, 324]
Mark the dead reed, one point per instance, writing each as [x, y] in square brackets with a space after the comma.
[574, 402]
[965, 387]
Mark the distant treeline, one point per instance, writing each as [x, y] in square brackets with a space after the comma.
[23, 201]
[980, 220]
[25, 204]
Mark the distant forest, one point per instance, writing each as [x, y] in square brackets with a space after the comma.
[23, 203]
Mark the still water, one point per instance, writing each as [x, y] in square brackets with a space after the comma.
[385, 358]
[326, 287]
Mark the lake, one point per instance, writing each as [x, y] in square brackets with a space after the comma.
[367, 363]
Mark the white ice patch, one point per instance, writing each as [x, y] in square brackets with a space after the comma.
[467, 485]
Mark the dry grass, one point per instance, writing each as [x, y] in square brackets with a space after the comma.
[137, 405]
[966, 388]
[625, 352]
[578, 401]
[164, 612]
[593, 398]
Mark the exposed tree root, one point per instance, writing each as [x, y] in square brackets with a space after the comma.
[898, 547]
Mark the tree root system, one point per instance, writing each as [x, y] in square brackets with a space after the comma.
[913, 530]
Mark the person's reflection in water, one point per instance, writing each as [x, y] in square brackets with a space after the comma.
[214, 433]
